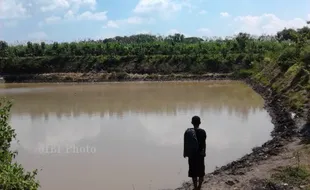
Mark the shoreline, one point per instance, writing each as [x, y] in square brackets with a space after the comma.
[109, 77]
[284, 131]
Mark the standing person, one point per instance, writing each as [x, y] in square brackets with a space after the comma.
[195, 150]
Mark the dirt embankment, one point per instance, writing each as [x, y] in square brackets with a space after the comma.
[257, 170]
[107, 77]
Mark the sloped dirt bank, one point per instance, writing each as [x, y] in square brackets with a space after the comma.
[108, 77]
[252, 170]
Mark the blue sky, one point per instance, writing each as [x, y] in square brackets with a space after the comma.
[69, 20]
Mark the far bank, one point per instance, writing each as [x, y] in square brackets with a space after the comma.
[108, 77]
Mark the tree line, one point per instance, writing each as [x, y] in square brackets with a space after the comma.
[145, 53]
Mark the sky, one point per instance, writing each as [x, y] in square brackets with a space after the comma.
[71, 20]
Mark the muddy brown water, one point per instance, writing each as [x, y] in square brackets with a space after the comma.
[121, 136]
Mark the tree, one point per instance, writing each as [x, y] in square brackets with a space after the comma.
[242, 39]
[43, 47]
[29, 49]
[3, 48]
[287, 34]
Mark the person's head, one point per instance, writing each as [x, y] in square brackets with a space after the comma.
[196, 121]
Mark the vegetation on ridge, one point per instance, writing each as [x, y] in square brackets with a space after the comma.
[156, 54]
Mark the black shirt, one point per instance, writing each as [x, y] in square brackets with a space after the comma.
[201, 137]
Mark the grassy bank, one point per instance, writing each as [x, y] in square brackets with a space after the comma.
[291, 85]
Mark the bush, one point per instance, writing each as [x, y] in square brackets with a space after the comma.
[243, 73]
[12, 175]
[305, 56]
[292, 175]
[287, 58]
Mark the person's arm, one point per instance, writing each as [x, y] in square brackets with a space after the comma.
[184, 145]
[204, 143]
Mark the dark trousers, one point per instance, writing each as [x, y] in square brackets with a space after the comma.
[196, 166]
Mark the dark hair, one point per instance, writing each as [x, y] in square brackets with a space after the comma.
[196, 120]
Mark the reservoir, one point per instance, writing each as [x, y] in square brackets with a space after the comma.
[129, 135]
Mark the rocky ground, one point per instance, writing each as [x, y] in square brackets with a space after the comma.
[273, 165]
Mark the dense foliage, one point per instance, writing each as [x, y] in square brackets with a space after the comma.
[12, 174]
[156, 54]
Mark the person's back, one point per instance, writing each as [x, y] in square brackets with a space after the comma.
[201, 137]
[197, 153]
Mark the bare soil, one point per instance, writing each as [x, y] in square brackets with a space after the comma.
[254, 177]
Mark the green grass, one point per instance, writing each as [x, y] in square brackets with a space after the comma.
[261, 78]
[297, 99]
[294, 176]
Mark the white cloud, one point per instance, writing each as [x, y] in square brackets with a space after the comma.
[128, 21]
[69, 15]
[37, 35]
[146, 6]
[164, 8]
[309, 17]
[111, 24]
[11, 9]
[52, 5]
[225, 14]
[265, 24]
[92, 3]
[55, 4]
[52, 19]
[202, 12]
[99, 16]
[204, 31]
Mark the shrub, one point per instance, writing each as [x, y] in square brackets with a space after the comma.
[12, 175]
[243, 73]
[292, 175]
[287, 58]
[305, 56]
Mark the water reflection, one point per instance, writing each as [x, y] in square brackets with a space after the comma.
[117, 98]
[136, 129]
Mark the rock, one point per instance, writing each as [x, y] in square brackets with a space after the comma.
[231, 183]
